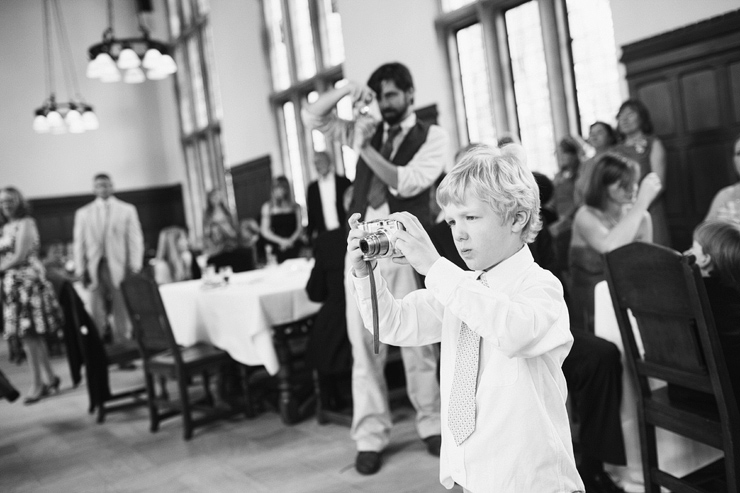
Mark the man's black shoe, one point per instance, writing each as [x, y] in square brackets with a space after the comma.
[367, 462]
[600, 482]
[434, 443]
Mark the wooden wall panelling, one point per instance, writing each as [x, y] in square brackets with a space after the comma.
[252, 182]
[157, 207]
[734, 70]
[690, 81]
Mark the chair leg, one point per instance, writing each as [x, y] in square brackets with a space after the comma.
[164, 395]
[151, 394]
[320, 396]
[187, 418]
[101, 413]
[207, 388]
[248, 409]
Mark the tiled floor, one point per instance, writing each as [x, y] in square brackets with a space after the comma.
[55, 446]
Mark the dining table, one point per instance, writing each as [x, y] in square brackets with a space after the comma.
[678, 455]
[240, 314]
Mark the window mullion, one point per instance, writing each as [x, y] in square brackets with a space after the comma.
[289, 41]
[318, 39]
[487, 18]
[555, 76]
[507, 75]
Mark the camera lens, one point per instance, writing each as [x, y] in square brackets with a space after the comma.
[375, 245]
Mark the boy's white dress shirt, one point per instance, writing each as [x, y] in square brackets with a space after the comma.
[522, 440]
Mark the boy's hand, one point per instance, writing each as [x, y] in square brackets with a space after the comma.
[414, 243]
[353, 246]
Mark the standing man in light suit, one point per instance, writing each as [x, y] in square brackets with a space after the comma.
[108, 244]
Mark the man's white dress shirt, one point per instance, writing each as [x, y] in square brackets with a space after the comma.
[328, 194]
[522, 440]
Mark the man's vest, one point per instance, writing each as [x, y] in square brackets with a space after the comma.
[418, 205]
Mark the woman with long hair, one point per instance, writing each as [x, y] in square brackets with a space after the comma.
[174, 261]
[281, 221]
[30, 307]
[614, 214]
[639, 143]
[219, 227]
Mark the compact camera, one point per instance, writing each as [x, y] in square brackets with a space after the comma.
[381, 242]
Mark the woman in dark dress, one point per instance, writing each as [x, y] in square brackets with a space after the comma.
[281, 221]
[639, 143]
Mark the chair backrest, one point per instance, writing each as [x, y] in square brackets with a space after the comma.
[152, 329]
[665, 293]
[240, 260]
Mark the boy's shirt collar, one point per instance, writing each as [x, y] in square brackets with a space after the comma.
[508, 269]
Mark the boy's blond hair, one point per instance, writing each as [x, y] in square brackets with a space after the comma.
[498, 177]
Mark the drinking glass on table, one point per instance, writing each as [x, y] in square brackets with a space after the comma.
[225, 272]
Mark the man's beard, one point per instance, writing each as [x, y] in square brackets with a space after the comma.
[392, 116]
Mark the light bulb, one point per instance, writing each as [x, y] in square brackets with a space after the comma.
[90, 119]
[167, 64]
[134, 76]
[151, 58]
[54, 119]
[77, 128]
[156, 74]
[40, 125]
[104, 63]
[93, 70]
[112, 76]
[73, 117]
[128, 59]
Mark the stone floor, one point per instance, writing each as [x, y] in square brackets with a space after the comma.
[55, 446]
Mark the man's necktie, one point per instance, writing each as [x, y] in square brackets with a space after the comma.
[105, 211]
[461, 409]
[376, 196]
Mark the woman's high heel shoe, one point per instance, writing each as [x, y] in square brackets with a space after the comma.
[52, 387]
[32, 399]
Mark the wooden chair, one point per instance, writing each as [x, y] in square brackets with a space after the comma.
[152, 332]
[99, 357]
[297, 397]
[664, 291]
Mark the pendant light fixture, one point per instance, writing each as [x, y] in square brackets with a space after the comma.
[132, 60]
[75, 115]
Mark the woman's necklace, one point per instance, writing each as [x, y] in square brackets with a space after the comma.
[639, 142]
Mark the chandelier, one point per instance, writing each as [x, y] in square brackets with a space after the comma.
[75, 115]
[138, 59]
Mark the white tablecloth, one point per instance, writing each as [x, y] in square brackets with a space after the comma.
[677, 455]
[238, 317]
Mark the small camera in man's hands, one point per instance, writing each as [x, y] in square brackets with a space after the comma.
[381, 242]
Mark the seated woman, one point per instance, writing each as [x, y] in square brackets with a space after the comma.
[175, 261]
[614, 214]
[726, 204]
[716, 247]
[219, 228]
[281, 221]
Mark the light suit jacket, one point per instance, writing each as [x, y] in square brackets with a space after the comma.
[124, 240]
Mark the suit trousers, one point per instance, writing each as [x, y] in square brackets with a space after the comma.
[593, 371]
[100, 297]
[371, 417]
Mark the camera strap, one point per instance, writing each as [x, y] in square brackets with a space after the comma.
[374, 303]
